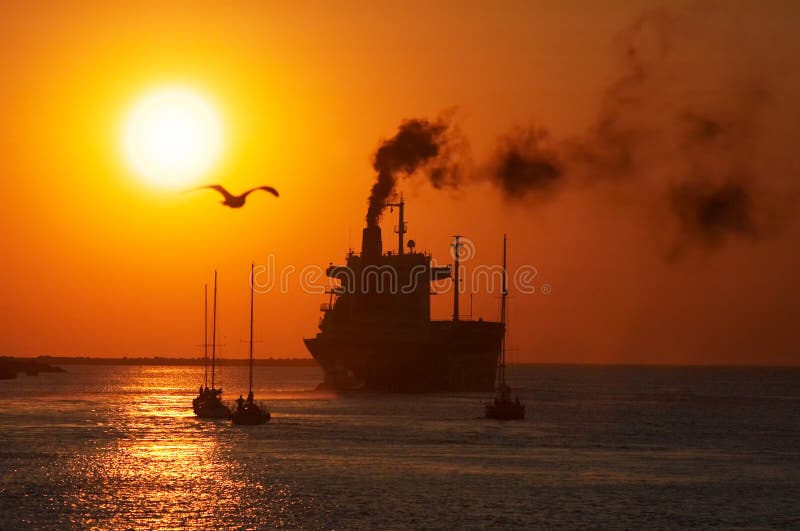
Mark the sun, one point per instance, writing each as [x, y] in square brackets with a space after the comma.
[172, 137]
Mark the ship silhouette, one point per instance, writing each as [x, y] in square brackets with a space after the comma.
[376, 330]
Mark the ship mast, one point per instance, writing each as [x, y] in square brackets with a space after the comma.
[214, 332]
[501, 373]
[205, 335]
[252, 289]
[401, 227]
[456, 255]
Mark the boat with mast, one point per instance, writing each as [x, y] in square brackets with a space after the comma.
[503, 407]
[204, 386]
[208, 403]
[248, 412]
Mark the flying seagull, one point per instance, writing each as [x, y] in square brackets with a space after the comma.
[237, 201]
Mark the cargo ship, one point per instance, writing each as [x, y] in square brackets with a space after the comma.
[376, 331]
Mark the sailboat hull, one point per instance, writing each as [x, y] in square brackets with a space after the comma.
[210, 409]
[505, 410]
[250, 416]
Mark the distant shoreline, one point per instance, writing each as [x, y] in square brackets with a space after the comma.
[158, 360]
[310, 362]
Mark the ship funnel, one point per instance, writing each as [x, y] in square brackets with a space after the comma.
[371, 246]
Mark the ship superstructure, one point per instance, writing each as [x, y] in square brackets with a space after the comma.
[376, 330]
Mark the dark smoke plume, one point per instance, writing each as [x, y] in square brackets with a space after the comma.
[525, 162]
[684, 124]
[418, 146]
[668, 121]
[710, 212]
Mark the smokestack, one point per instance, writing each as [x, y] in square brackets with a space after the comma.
[371, 245]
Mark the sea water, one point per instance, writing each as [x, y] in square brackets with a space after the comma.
[117, 447]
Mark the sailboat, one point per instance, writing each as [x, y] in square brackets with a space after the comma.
[503, 407]
[247, 411]
[204, 385]
[208, 404]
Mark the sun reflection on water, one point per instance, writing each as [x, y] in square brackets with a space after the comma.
[162, 464]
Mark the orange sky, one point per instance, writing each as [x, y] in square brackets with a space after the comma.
[98, 262]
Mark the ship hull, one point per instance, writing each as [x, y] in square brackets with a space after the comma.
[443, 356]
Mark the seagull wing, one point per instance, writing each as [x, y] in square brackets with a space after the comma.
[269, 189]
[218, 188]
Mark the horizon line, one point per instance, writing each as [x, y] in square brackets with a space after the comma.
[311, 359]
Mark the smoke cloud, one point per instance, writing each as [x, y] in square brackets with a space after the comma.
[667, 122]
[419, 146]
[525, 163]
[709, 212]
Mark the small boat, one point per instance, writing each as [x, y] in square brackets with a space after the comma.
[208, 403]
[248, 412]
[503, 407]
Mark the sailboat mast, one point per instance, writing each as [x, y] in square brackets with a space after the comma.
[214, 332]
[502, 374]
[252, 290]
[205, 335]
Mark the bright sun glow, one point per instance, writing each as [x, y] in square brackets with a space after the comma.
[172, 137]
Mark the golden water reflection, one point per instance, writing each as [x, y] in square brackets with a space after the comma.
[161, 465]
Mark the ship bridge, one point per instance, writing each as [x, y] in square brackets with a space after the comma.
[377, 287]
